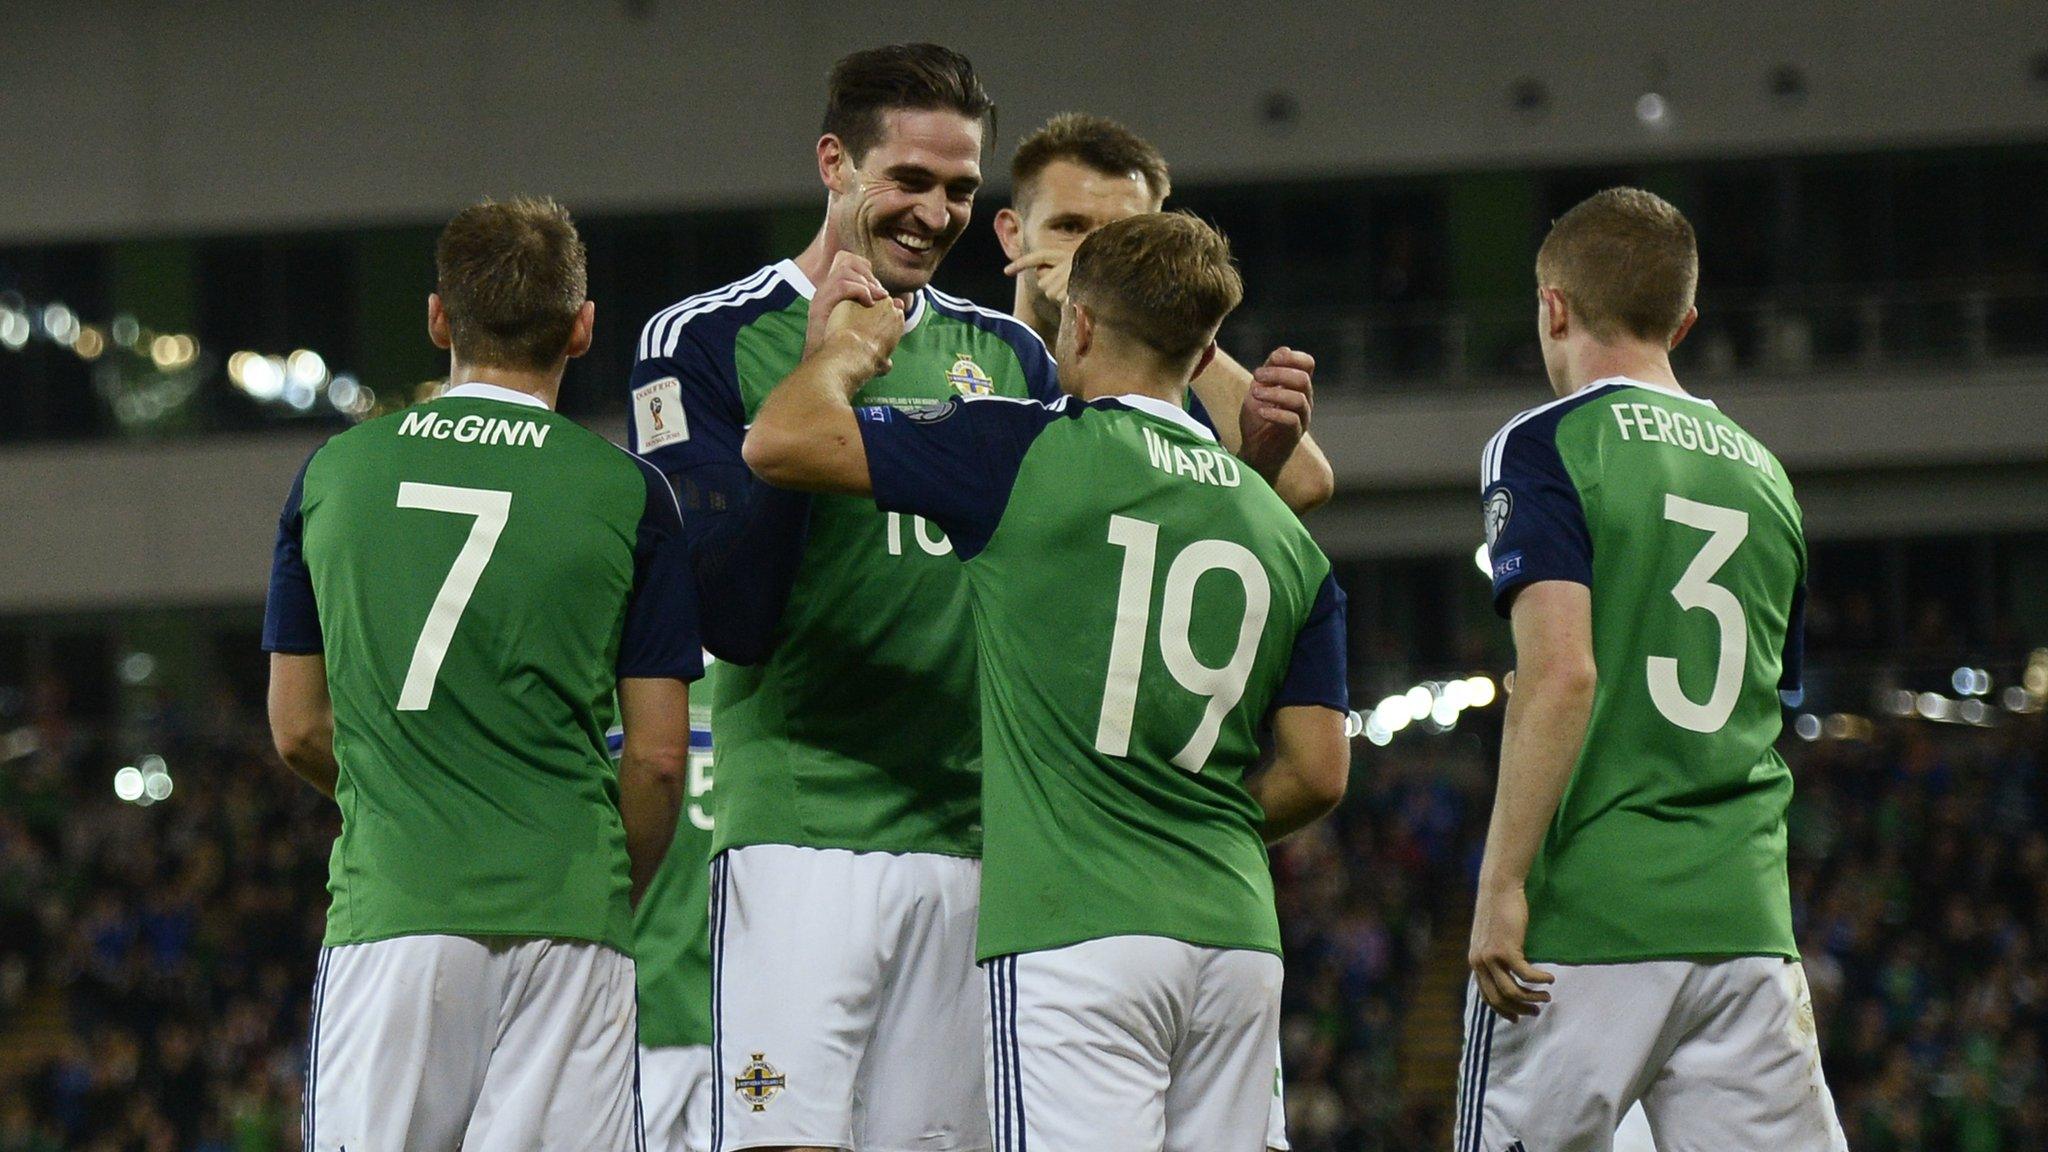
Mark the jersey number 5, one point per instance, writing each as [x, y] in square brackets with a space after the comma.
[1727, 528]
[491, 508]
[1223, 686]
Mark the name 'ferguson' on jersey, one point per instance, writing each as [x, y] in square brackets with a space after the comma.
[1669, 841]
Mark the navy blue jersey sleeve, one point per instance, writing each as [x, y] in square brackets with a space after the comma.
[1535, 525]
[1318, 673]
[660, 637]
[952, 463]
[1792, 680]
[745, 539]
[1040, 373]
[291, 620]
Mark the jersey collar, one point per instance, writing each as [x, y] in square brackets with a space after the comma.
[1160, 409]
[804, 288]
[1632, 382]
[478, 390]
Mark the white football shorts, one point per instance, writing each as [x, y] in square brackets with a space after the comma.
[845, 1006]
[675, 1098]
[1721, 1055]
[1132, 1043]
[435, 1043]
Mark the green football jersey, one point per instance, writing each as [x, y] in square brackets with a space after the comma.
[860, 729]
[672, 925]
[479, 573]
[1141, 603]
[1670, 838]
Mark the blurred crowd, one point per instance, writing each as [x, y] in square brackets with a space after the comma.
[177, 941]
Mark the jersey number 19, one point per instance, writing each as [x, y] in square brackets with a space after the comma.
[1223, 686]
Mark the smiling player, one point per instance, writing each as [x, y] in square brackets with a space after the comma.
[846, 877]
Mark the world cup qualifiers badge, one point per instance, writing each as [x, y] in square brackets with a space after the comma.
[654, 411]
[967, 376]
[758, 1083]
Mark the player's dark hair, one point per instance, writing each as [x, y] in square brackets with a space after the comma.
[1095, 142]
[1627, 263]
[920, 77]
[512, 278]
[1164, 277]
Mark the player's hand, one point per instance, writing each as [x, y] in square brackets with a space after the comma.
[1051, 266]
[1276, 410]
[851, 277]
[866, 331]
[1500, 923]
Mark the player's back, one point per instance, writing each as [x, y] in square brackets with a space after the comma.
[1670, 838]
[1136, 610]
[472, 560]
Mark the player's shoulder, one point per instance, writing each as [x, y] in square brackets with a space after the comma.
[721, 311]
[1533, 430]
[1019, 335]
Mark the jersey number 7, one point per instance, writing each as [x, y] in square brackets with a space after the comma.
[491, 509]
[1223, 686]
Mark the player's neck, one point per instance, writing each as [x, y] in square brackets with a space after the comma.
[1020, 307]
[1637, 361]
[1106, 374]
[543, 386]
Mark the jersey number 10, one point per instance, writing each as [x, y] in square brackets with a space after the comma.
[1223, 686]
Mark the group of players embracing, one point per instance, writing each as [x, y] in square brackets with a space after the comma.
[1022, 657]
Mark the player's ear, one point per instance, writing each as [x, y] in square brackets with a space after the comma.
[437, 323]
[1692, 316]
[833, 162]
[1556, 313]
[1203, 361]
[1010, 233]
[580, 335]
[1082, 322]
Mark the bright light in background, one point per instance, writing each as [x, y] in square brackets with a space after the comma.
[262, 377]
[306, 368]
[61, 323]
[138, 667]
[1653, 111]
[1484, 560]
[15, 329]
[1393, 714]
[128, 784]
[1807, 726]
[126, 330]
[90, 343]
[1482, 690]
[1420, 701]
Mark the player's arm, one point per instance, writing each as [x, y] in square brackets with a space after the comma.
[805, 436]
[301, 715]
[302, 718]
[1274, 405]
[653, 764]
[1311, 757]
[1546, 726]
[746, 540]
[1311, 764]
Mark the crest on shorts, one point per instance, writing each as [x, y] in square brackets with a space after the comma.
[758, 1083]
[1499, 507]
[968, 377]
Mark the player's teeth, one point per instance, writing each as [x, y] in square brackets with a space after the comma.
[912, 242]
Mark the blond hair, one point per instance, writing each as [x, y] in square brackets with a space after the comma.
[1627, 263]
[1164, 277]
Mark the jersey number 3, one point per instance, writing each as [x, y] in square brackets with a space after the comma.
[491, 508]
[1224, 685]
[1727, 528]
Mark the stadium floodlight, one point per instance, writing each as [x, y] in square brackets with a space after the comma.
[1807, 726]
[128, 784]
[1393, 714]
[1484, 561]
[1482, 690]
[1444, 714]
[1420, 702]
[305, 367]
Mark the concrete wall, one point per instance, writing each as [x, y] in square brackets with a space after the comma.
[191, 522]
[124, 117]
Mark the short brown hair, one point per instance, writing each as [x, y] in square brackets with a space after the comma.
[1095, 142]
[1164, 277]
[512, 278]
[1627, 263]
[923, 77]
